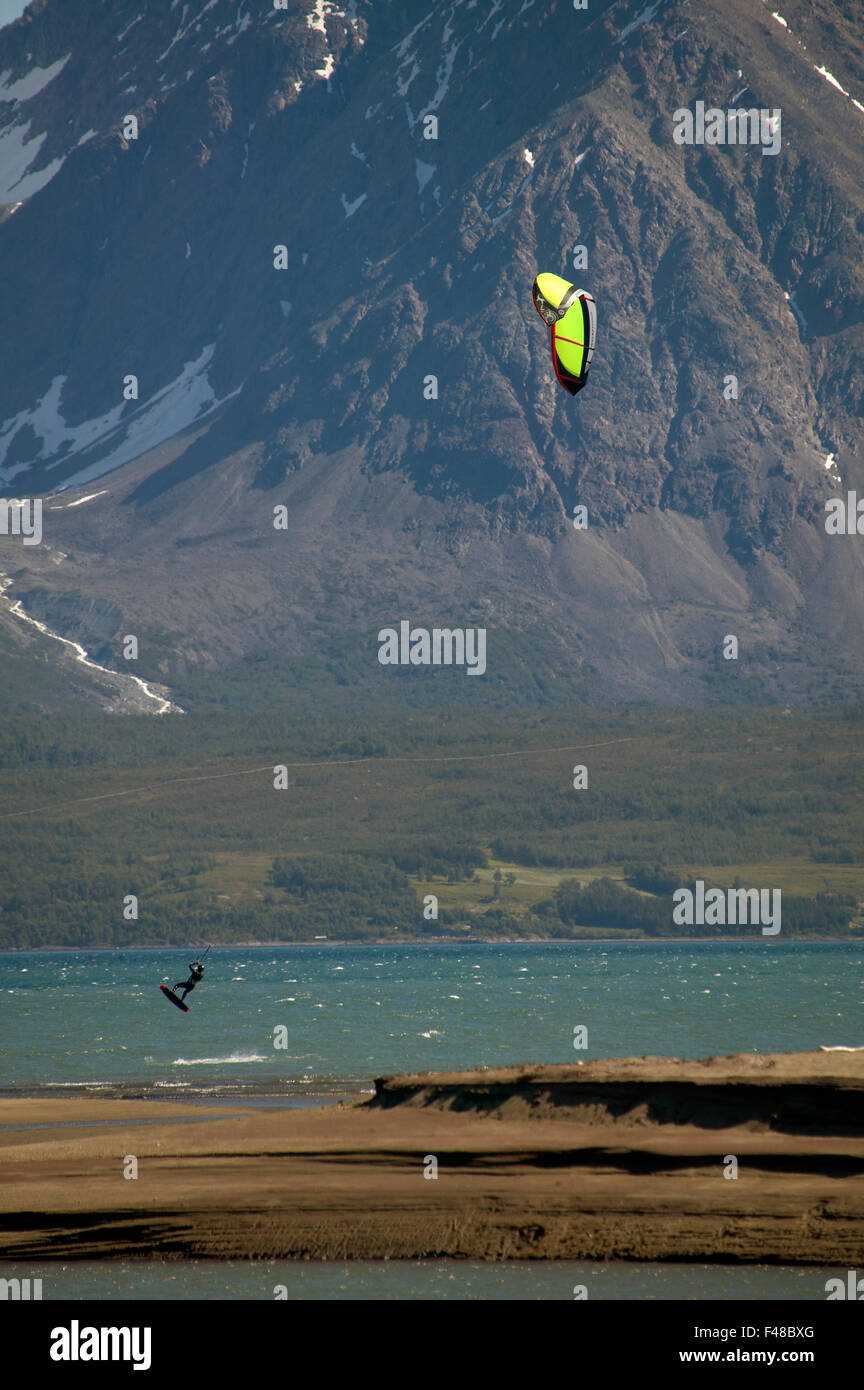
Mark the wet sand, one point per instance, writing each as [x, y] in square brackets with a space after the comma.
[620, 1159]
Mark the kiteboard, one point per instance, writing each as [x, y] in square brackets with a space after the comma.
[169, 993]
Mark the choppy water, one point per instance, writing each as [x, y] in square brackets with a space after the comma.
[76, 1020]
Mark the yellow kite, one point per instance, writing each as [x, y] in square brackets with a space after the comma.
[572, 316]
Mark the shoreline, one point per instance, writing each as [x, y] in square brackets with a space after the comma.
[469, 941]
[619, 1159]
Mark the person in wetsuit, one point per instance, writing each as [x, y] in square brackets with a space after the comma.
[196, 974]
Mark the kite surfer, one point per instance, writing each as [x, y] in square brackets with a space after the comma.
[196, 975]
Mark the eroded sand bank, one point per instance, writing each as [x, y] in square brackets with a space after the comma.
[619, 1159]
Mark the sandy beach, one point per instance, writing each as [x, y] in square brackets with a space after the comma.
[616, 1159]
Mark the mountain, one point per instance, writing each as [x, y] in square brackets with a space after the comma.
[391, 387]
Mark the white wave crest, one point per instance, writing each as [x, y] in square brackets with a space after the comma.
[233, 1059]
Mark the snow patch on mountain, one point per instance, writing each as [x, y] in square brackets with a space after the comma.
[17, 153]
[644, 17]
[32, 83]
[829, 77]
[442, 79]
[79, 501]
[317, 20]
[402, 85]
[351, 208]
[184, 401]
[489, 14]
[424, 173]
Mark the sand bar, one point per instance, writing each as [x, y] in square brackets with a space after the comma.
[620, 1159]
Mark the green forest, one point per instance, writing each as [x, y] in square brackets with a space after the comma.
[151, 831]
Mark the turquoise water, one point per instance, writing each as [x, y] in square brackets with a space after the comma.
[76, 1020]
[240, 1280]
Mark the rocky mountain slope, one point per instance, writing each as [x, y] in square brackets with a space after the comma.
[385, 379]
